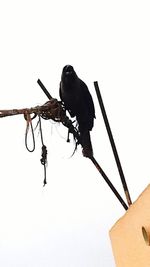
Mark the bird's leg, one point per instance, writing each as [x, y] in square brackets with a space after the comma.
[68, 139]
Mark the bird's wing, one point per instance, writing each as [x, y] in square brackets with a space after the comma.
[88, 99]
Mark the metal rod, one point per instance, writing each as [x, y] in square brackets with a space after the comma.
[113, 144]
[109, 182]
[44, 89]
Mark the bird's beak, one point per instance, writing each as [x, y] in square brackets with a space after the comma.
[68, 73]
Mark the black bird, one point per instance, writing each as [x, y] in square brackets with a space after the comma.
[78, 101]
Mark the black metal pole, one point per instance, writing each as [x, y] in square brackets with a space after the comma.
[108, 182]
[113, 144]
[44, 89]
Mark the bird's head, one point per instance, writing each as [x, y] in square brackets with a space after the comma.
[68, 70]
[68, 73]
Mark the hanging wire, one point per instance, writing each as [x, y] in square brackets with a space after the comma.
[29, 125]
[44, 152]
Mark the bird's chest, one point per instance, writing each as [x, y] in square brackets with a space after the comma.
[71, 97]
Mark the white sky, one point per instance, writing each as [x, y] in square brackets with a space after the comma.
[67, 223]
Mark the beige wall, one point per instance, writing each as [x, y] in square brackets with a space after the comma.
[130, 242]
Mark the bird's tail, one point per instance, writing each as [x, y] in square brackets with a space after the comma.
[86, 144]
